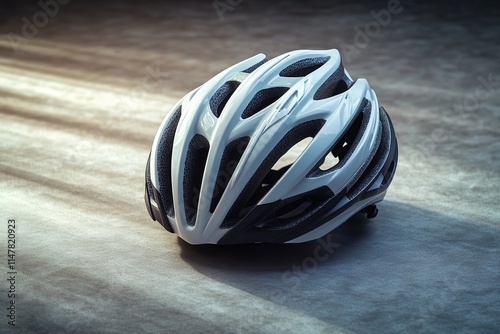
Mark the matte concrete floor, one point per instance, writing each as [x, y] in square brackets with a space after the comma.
[81, 98]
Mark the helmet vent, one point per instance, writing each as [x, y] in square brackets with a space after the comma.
[263, 99]
[230, 159]
[338, 155]
[193, 175]
[164, 162]
[292, 154]
[336, 84]
[330, 160]
[265, 177]
[304, 67]
[376, 163]
[221, 96]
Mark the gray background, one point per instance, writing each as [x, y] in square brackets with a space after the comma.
[77, 120]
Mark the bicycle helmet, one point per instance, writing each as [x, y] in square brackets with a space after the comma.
[220, 171]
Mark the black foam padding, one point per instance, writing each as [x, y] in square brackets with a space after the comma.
[164, 162]
[221, 96]
[366, 109]
[263, 99]
[195, 162]
[336, 84]
[229, 161]
[149, 184]
[347, 142]
[148, 189]
[254, 67]
[378, 161]
[367, 162]
[304, 67]
[351, 135]
[246, 200]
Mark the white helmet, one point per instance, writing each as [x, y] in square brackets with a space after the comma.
[214, 175]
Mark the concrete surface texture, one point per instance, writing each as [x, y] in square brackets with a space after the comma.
[83, 90]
